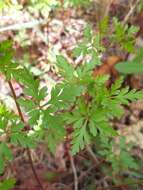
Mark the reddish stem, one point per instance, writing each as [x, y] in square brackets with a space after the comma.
[28, 150]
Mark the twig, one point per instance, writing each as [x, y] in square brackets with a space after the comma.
[74, 172]
[89, 150]
[28, 150]
[85, 173]
[15, 100]
[89, 170]
[125, 184]
[21, 26]
[132, 9]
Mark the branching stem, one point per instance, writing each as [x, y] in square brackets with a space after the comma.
[74, 172]
[90, 151]
[28, 150]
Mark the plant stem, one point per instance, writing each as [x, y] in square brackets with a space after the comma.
[90, 151]
[71, 159]
[132, 9]
[125, 184]
[28, 150]
[74, 172]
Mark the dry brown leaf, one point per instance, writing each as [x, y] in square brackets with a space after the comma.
[107, 67]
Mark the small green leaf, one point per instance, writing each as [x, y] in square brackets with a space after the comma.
[106, 129]
[27, 104]
[34, 117]
[88, 32]
[7, 184]
[92, 128]
[5, 155]
[104, 26]
[116, 86]
[81, 137]
[130, 67]
[42, 93]
[65, 68]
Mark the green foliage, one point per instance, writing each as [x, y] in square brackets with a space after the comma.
[11, 131]
[90, 46]
[104, 27]
[7, 184]
[124, 35]
[105, 104]
[8, 4]
[64, 67]
[2, 5]
[77, 2]
[79, 101]
[140, 6]
[43, 6]
[5, 154]
[5, 4]
[134, 66]
[118, 154]
[88, 117]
